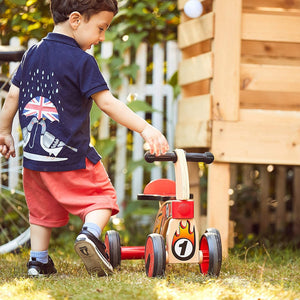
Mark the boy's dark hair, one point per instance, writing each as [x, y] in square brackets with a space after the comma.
[61, 9]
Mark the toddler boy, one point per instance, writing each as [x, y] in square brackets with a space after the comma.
[53, 91]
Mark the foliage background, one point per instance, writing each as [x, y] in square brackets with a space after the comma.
[138, 20]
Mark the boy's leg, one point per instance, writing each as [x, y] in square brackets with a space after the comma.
[89, 247]
[96, 220]
[40, 263]
[99, 217]
[39, 237]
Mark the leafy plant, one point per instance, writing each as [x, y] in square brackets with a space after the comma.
[139, 21]
[25, 19]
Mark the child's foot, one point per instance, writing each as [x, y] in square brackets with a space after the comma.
[36, 268]
[92, 252]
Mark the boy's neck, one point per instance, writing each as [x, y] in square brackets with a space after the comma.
[63, 28]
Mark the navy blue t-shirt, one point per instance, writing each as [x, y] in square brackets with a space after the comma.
[56, 80]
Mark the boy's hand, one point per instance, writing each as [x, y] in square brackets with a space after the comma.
[7, 147]
[157, 142]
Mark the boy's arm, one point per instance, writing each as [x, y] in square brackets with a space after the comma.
[7, 114]
[123, 115]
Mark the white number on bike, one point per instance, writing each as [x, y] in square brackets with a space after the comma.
[183, 248]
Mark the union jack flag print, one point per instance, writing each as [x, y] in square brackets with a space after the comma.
[41, 107]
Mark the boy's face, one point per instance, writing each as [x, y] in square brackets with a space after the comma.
[92, 32]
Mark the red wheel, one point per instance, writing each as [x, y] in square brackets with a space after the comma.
[113, 247]
[155, 255]
[211, 247]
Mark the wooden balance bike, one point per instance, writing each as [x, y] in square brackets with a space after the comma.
[175, 237]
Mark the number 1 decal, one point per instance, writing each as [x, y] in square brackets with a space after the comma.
[184, 242]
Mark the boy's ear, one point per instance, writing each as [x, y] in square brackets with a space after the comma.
[74, 19]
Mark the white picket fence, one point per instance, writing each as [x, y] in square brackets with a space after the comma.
[162, 100]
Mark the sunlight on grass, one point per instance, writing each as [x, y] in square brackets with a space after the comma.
[22, 289]
[259, 277]
[228, 288]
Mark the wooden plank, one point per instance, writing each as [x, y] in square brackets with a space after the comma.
[193, 134]
[227, 59]
[280, 192]
[194, 179]
[296, 202]
[247, 183]
[269, 100]
[195, 69]
[218, 201]
[193, 124]
[270, 49]
[181, 176]
[273, 11]
[259, 137]
[231, 234]
[270, 78]
[196, 49]
[180, 4]
[268, 60]
[196, 30]
[264, 213]
[196, 88]
[270, 28]
[263, 4]
[247, 175]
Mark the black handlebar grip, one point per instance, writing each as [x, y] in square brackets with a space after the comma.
[169, 156]
[206, 157]
[11, 53]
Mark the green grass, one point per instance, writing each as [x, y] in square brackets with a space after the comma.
[256, 273]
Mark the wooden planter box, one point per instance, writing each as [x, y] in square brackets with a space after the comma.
[240, 80]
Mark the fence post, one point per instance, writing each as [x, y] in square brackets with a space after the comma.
[173, 57]
[264, 200]
[296, 202]
[106, 52]
[158, 97]
[280, 191]
[13, 163]
[121, 137]
[138, 149]
[218, 200]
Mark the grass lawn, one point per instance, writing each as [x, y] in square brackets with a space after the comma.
[256, 273]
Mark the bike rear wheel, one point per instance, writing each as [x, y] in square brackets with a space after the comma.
[14, 224]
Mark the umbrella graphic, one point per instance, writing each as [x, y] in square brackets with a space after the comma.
[41, 108]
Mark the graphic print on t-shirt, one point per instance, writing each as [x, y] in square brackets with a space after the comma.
[39, 109]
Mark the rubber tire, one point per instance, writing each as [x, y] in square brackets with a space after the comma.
[211, 247]
[155, 255]
[219, 243]
[113, 247]
[22, 239]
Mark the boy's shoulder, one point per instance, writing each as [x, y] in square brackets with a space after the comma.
[55, 46]
[66, 45]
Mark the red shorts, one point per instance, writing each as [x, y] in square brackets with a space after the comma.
[51, 196]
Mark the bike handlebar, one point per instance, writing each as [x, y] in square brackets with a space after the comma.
[11, 53]
[206, 157]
